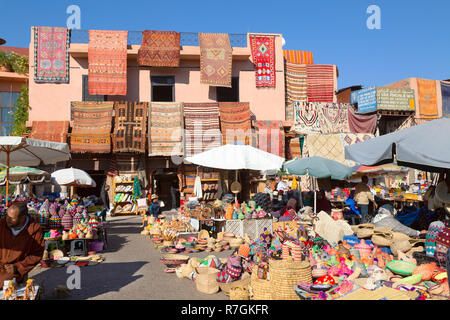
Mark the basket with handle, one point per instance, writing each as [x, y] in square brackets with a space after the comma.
[285, 275]
[239, 293]
[260, 288]
[206, 281]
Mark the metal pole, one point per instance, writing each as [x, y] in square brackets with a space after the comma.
[7, 176]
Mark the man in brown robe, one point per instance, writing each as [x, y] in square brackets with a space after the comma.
[21, 243]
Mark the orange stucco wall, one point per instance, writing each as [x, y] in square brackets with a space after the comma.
[52, 101]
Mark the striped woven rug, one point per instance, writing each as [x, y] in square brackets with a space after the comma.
[202, 127]
[50, 130]
[320, 82]
[235, 122]
[299, 57]
[165, 123]
[296, 86]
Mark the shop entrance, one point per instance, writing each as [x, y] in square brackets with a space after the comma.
[99, 178]
[166, 186]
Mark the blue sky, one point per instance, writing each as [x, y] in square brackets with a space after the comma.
[414, 40]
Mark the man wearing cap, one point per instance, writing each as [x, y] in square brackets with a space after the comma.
[21, 244]
[155, 207]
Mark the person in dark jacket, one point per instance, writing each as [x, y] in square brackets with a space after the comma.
[105, 199]
[155, 207]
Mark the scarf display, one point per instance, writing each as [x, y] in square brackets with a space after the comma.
[91, 131]
[159, 49]
[361, 123]
[263, 57]
[50, 130]
[428, 107]
[215, 59]
[130, 126]
[107, 57]
[445, 90]
[202, 127]
[298, 57]
[271, 137]
[235, 122]
[165, 123]
[320, 82]
[51, 54]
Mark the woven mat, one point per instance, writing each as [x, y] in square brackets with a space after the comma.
[263, 57]
[165, 123]
[320, 82]
[159, 49]
[383, 293]
[202, 127]
[50, 130]
[51, 54]
[271, 137]
[298, 57]
[235, 122]
[91, 131]
[428, 107]
[107, 57]
[130, 126]
[215, 59]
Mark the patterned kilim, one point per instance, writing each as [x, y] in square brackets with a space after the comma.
[91, 131]
[326, 146]
[202, 127]
[306, 118]
[320, 82]
[50, 130]
[263, 57]
[295, 148]
[445, 89]
[427, 99]
[271, 137]
[333, 117]
[107, 57]
[298, 57]
[235, 122]
[159, 49]
[165, 123]
[215, 59]
[130, 126]
[296, 87]
[51, 54]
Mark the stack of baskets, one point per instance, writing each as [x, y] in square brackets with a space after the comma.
[260, 287]
[285, 275]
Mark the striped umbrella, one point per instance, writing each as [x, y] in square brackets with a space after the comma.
[19, 174]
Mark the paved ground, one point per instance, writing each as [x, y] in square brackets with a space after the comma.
[131, 270]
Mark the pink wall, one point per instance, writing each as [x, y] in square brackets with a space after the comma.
[52, 101]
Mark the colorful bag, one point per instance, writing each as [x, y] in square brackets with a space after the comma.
[433, 231]
[442, 244]
[67, 221]
[234, 261]
[223, 277]
[55, 222]
[234, 272]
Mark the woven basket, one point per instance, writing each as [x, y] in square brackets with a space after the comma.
[206, 281]
[235, 243]
[382, 239]
[174, 259]
[285, 275]
[260, 288]
[244, 282]
[239, 293]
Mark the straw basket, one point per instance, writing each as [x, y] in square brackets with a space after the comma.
[244, 282]
[203, 234]
[239, 293]
[285, 275]
[206, 281]
[235, 243]
[260, 288]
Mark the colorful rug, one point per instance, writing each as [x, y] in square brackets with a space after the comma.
[235, 122]
[427, 98]
[361, 123]
[130, 126]
[320, 82]
[50, 130]
[296, 86]
[215, 59]
[107, 57]
[51, 54]
[298, 57]
[202, 127]
[165, 123]
[445, 89]
[159, 49]
[295, 148]
[91, 130]
[333, 117]
[263, 57]
[271, 137]
[306, 118]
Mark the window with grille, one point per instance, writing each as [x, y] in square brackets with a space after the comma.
[224, 94]
[7, 101]
[163, 88]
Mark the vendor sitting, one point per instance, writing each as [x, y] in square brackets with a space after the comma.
[21, 244]
[385, 218]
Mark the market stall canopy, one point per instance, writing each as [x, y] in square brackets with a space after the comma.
[18, 175]
[31, 152]
[73, 177]
[318, 167]
[235, 157]
[424, 147]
